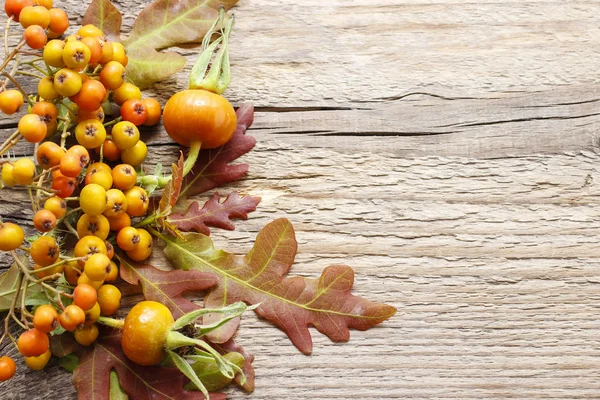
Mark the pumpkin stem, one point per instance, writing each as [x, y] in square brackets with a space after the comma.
[215, 76]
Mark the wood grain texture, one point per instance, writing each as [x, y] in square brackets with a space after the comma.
[448, 151]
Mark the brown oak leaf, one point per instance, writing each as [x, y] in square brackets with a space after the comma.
[291, 303]
[215, 213]
[167, 287]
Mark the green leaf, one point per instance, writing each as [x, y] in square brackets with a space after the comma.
[36, 299]
[187, 370]
[69, 362]
[147, 65]
[292, 303]
[116, 391]
[232, 311]
[8, 286]
[162, 24]
[208, 372]
[105, 16]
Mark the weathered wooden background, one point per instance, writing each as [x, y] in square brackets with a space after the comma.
[446, 150]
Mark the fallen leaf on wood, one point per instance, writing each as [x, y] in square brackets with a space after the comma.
[291, 303]
[215, 213]
[167, 287]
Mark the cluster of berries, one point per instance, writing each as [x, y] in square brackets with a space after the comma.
[87, 190]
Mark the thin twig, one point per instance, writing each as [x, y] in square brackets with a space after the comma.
[14, 81]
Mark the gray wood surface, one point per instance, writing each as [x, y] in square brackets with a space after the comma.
[448, 151]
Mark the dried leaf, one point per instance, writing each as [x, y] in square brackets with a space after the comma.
[105, 16]
[167, 287]
[212, 168]
[291, 303]
[214, 213]
[171, 191]
[162, 24]
[92, 376]
[63, 345]
[8, 287]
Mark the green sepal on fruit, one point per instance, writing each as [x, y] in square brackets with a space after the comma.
[200, 117]
[150, 335]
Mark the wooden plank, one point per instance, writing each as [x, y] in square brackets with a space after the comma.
[448, 152]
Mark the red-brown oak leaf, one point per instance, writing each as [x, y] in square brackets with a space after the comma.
[212, 168]
[291, 303]
[92, 375]
[167, 287]
[215, 213]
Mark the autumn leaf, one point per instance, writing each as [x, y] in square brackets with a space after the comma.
[212, 168]
[63, 344]
[291, 303]
[8, 287]
[162, 24]
[215, 213]
[92, 375]
[171, 191]
[167, 287]
[105, 16]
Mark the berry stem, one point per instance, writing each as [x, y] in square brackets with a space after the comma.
[34, 75]
[6, 29]
[113, 122]
[12, 54]
[11, 141]
[111, 322]
[14, 81]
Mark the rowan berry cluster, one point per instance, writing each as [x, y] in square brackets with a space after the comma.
[85, 196]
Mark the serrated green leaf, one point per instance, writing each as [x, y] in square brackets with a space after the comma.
[116, 391]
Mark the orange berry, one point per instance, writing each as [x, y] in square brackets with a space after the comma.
[35, 37]
[32, 128]
[44, 220]
[10, 101]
